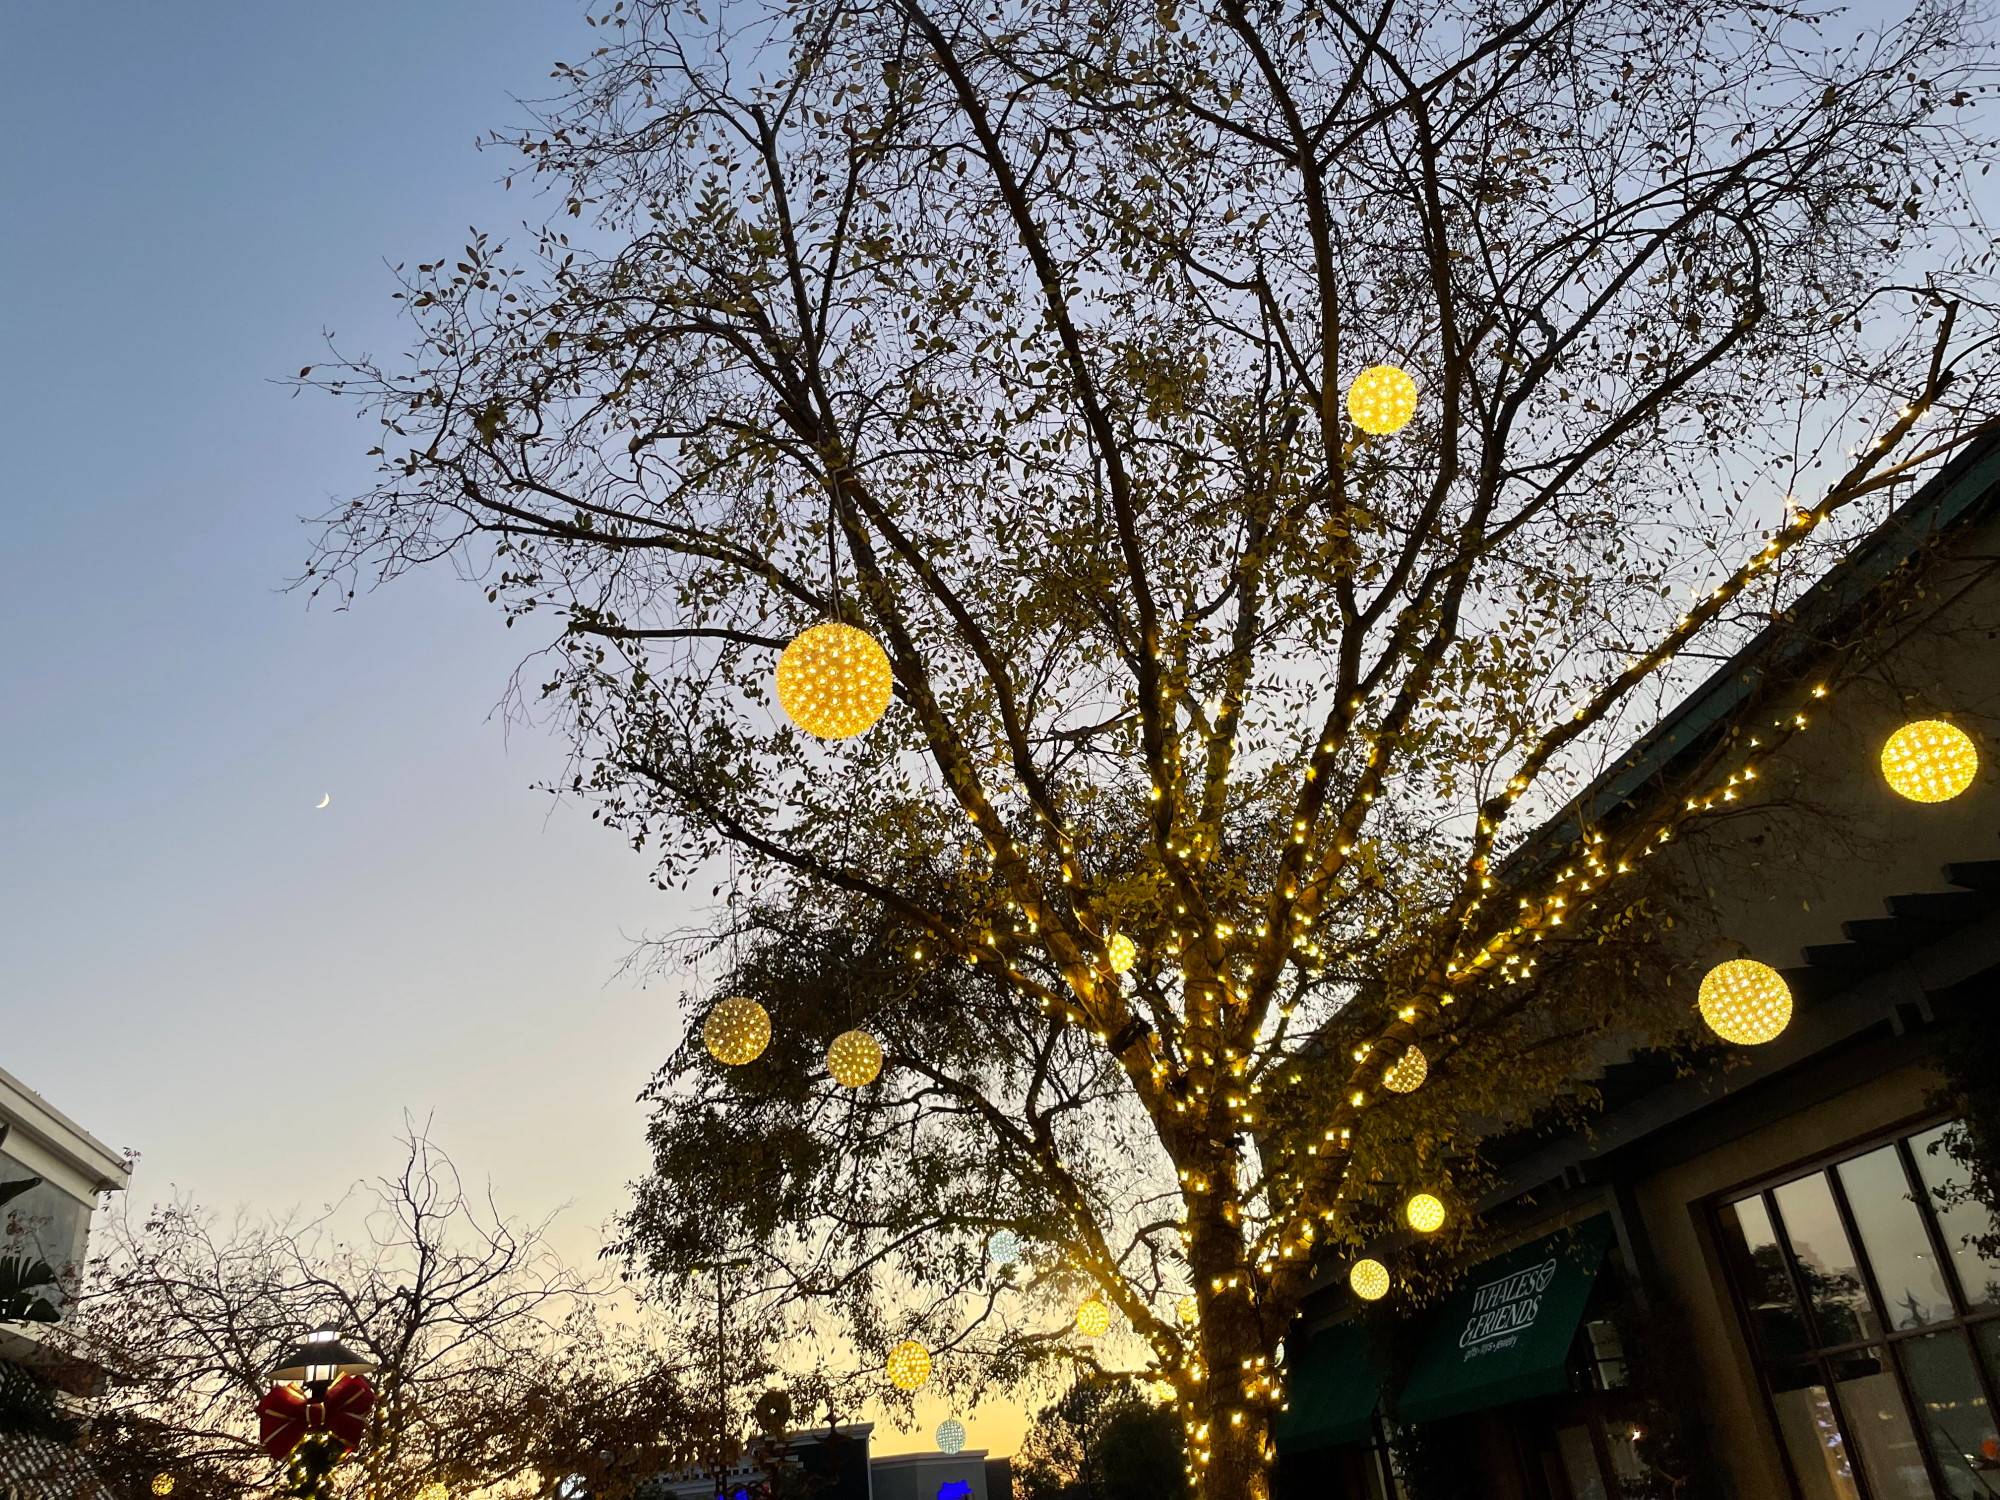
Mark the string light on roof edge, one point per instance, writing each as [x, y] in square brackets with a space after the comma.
[736, 1031]
[1382, 400]
[1424, 1213]
[1745, 1002]
[1407, 1074]
[1929, 760]
[834, 680]
[854, 1059]
[1093, 1318]
[908, 1366]
[1369, 1280]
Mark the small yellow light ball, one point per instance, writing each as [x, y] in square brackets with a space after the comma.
[1382, 400]
[834, 680]
[1369, 1279]
[1123, 953]
[1929, 761]
[1093, 1318]
[1745, 1002]
[854, 1059]
[163, 1484]
[1188, 1311]
[737, 1031]
[908, 1366]
[1407, 1074]
[1424, 1213]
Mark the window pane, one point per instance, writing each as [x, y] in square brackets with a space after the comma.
[1893, 1235]
[1580, 1463]
[1878, 1426]
[1951, 1409]
[1978, 1277]
[1812, 1436]
[1757, 1266]
[1827, 1264]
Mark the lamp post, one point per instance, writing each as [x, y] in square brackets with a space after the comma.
[316, 1411]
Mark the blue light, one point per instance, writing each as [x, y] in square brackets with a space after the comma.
[955, 1489]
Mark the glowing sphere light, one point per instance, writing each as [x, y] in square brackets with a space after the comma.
[163, 1484]
[1004, 1249]
[1093, 1318]
[1929, 761]
[834, 680]
[1123, 953]
[950, 1435]
[1407, 1074]
[1369, 1279]
[1424, 1213]
[737, 1031]
[854, 1059]
[1745, 1002]
[1382, 400]
[908, 1366]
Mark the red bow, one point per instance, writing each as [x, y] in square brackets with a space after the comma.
[288, 1414]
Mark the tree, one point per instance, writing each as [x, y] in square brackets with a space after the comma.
[1019, 338]
[496, 1368]
[1101, 1440]
[29, 1285]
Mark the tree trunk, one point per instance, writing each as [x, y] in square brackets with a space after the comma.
[1236, 1449]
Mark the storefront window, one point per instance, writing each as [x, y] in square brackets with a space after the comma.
[1884, 1390]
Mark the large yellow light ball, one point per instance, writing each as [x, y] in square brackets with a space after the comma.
[1382, 400]
[1093, 1318]
[1369, 1279]
[1188, 1311]
[737, 1031]
[834, 680]
[163, 1484]
[1745, 1002]
[1407, 1074]
[908, 1366]
[1123, 953]
[1424, 1213]
[1929, 761]
[854, 1059]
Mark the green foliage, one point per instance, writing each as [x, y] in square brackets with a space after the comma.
[1970, 1089]
[1102, 1440]
[29, 1285]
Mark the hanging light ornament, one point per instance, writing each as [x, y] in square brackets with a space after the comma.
[1188, 1311]
[834, 680]
[1382, 400]
[1424, 1213]
[1004, 1248]
[737, 1031]
[950, 1435]
[1929, 761]
[1407, 1074]
[908, 1366]
[163, 1484]
[1745, 1002]
[854, 1059]
[1369, 1279]
[1123, 953]
[1093, 1318]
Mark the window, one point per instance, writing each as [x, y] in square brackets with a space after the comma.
[1875, 1323]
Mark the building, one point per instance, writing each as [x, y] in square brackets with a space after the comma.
[836, 1464]
[46, 1227]
[1746, 1279]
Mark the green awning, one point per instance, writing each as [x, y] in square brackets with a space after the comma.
[1330, 1391]
[1505, 1334]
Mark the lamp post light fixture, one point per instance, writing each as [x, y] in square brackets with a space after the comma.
[319, 1359]
[316, 1411]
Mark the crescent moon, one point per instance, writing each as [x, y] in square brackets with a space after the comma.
[324, 800]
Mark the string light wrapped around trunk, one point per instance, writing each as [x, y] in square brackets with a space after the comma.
[1745, 1002]
[1093, 1318]
[834, 680]
[1929, 761]
[736, 1031]
[1382, 400]
[1424, 1213]
[908, 1366]
[854, 1059]
[1407, 1074]
[1369, 1280]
